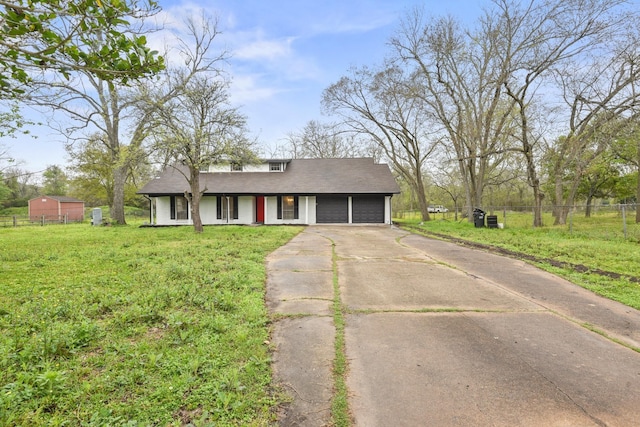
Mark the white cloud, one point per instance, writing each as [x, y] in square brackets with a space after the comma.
[261, 49]
[248, 89]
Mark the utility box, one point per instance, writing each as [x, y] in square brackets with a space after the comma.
[96, 216]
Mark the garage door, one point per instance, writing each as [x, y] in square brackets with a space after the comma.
[332, 209]
[368, 209]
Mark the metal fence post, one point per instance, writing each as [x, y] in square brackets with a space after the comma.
[504, 217]
[570, 220]
[624, 220]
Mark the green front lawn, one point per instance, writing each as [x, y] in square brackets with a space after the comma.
[135, 326]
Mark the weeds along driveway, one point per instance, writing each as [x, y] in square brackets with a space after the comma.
[436, 334]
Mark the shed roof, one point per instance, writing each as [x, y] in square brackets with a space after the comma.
[62, 199]
[302, 176]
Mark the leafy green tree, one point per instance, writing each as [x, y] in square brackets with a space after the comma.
[92, 171]
[92, 167]
[55, 182]
[600, 180]
[73, 35]
[11, 122]
[97, 101]
[627, 149]
[21, 185]
[626, 189]
[4, 190]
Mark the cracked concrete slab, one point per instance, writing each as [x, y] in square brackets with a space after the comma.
[512, 351]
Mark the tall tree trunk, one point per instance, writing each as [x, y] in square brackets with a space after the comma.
[422, 198]
[534, 182]
[467, 190]
[587, 212]
[194, 199]
[117, 205]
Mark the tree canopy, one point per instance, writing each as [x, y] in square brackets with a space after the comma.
[65, 36]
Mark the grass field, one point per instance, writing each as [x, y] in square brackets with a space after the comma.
[596, 243]
[104, 326]
[135, 326]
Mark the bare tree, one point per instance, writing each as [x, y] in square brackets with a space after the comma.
[558, 47]
[194, 124]
[458, 76]
[122, 114]
[382, 106]
[491, 86]
[323, 140]
[199, 128]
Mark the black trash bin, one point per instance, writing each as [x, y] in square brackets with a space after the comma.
[478, 217]
[492, 221]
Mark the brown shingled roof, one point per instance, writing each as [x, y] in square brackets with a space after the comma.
[302, 176]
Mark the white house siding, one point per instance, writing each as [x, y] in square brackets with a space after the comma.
[262, 167]
[208, 210]
[306, 211]
[163, 213]
[247, 211]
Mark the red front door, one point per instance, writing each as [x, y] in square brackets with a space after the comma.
[260, 209]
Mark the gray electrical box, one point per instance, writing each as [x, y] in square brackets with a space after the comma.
[96, 216]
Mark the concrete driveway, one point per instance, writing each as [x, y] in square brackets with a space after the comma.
[440, 335]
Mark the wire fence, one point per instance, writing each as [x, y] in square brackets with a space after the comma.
[598, 221]
[41, 220]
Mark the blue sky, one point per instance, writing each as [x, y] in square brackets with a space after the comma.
[284, 54]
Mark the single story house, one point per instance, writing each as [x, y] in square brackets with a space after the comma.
[56, 208]
[278, 191]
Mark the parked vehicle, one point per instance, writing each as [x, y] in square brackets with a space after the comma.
[437, 209]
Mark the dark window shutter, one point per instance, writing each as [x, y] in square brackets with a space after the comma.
[172, 202]
[295, 207]
[219, 207]
[235, 207]
[279, 207]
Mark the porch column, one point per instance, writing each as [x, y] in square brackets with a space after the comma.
[151, 203]
[306, 210]
[266, 213]
[350, 204]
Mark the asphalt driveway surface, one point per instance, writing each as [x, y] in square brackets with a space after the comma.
[440, 335]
